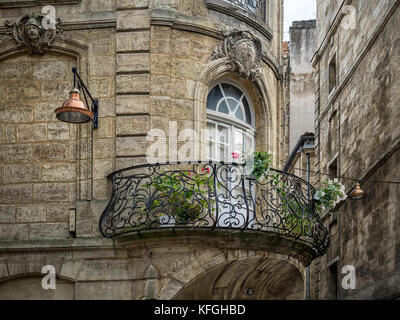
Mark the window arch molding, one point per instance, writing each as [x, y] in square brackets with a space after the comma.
[217, 115]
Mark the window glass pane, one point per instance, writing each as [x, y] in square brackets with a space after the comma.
[223, 152]
[239, 114]
[238, 144]
[223, 134]
[211, 148]
[232, 104]
[247, 110]
[213, 98]
[248, 143]
[232, 91]
[223, 108]
[210, 131]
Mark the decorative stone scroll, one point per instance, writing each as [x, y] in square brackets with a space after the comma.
[35, 31]
[243, 52]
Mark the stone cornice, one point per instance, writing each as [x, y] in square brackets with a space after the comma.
[33, 3]
[240, 14]
[79, 25]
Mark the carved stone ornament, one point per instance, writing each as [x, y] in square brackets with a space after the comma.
[244, 53]
[31, 31]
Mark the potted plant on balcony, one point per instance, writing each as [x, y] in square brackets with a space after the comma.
[185, 196]
[329, 195]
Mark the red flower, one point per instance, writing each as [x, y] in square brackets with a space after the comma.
[235, 155]
[205, 170]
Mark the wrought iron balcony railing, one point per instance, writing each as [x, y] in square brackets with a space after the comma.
[214, 196]
[257, 7]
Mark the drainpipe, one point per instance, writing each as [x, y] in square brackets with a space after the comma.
[308, 268]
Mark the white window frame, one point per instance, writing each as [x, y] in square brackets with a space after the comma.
[220, 119]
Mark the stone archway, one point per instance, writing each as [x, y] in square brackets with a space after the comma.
[29, 288]
[251, 279]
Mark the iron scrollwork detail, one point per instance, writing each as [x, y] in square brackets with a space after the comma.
[243, 52]
[212, 196]
[31, 31]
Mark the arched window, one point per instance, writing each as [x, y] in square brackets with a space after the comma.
[230, 123]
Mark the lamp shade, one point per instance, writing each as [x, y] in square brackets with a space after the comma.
[357, 193]
[73, 110]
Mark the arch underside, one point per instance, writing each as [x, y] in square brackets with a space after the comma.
[252, 279]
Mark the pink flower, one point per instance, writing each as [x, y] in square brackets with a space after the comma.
[235, 155]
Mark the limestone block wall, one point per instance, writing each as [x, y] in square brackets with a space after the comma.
[38, 163]
[150, 65]
[357, 125]
[47, 166]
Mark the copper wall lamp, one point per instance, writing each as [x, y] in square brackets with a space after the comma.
[357, 193]
[74, 110]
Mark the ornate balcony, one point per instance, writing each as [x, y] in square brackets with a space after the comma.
[214, 196]
[256, 7]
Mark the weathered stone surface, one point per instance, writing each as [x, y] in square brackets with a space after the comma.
[115, 290]
[57, 212]
[106, 128]
[104, 148]
[170, 290]
[132, 104]
[11, 153]
[133, 19]
[139, 40]
[58, 131]
[21, 173]
[20, 94]
[18, 114]
[45, 111]
[32, 290]
[133, 62]
[48, 231]
[50, 70]
[103, 66]
[16, 193]
[136, 83]
[31, 213]
[14, 231]
[357, 117]
[132, 4]
[132, 125]
[102, 168]
[10, 134]
[105, 270]
[58, 172]
[55, 89]
[15, 71]
[131, 146]
[51, 192]
[36, 132]
[7, 213]
[50, 152]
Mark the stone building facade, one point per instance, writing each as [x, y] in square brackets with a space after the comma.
[151, 64]
[299, 99]
[357, 136]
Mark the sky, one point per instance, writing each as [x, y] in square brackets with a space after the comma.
[298, 10]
